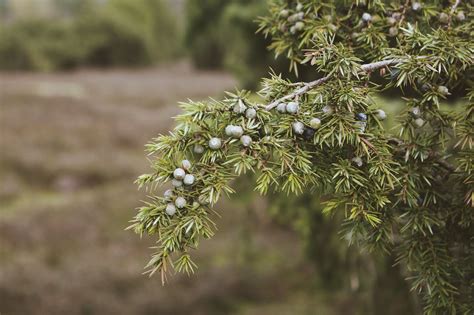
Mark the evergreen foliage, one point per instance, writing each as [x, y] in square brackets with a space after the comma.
[407, 192]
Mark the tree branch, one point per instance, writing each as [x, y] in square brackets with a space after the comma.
[455, 5]
[307, 86]
[451, 13]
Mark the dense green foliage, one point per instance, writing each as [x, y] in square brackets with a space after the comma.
[407, 192]
[119, 32]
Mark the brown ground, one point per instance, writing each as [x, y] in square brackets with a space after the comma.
[71, 146]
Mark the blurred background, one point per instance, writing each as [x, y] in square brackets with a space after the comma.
[84, 84]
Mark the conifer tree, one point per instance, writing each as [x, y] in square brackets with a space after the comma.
[407, 191]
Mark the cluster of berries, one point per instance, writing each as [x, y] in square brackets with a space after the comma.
[416, 113]
[394, 19]
[357, 161]
[361, 124]
[231, 130]
[393, 22]
[181, 176]
[444, 17]
[241, 108]
[298, 127]
[238, 132]
[295, 18]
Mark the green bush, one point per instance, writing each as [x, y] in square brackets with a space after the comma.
[40, 45]
[121, 32]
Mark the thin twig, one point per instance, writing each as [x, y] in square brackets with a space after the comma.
[404, 12]
[311, 85]
[455, 5]
[453, 8]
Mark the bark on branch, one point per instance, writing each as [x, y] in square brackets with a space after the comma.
[307, 86]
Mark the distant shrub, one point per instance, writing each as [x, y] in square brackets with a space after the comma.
[40, 45]
[139, 32]
[120, 32]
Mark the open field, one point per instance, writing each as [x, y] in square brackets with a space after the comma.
[71, 146]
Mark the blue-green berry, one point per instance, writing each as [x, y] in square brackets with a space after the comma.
[380, 114]
[443, 18]
[239, 107]
[281, 108]
[361, 125]
[186, 165]
[419, 122]
[229, 129]
[246, 140]
[415, 111]
[299, 26]
[250, 113]
[179, 173]
[308, 133]
[357, 161]
[176, 182]
[366, 17]
[180, 202]
[294, 17]
[460, 16]
[416, 6]
[361, 116]
[298, 127]
[315, 123]
[393, 31]
[188, 179]
[443, 90]
[215, 143]
[237, 132]
[170, 209]
[284, 13]
[198, 149]
[391, 20]
[292, 107]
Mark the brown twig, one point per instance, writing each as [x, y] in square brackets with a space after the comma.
[311, 85]
[453, 8]
[404, 12]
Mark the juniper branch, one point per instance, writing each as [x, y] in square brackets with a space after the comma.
[307, 86]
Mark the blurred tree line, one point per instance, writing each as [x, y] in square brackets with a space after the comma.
[137, 33]
[88, 32]
[223, 34]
